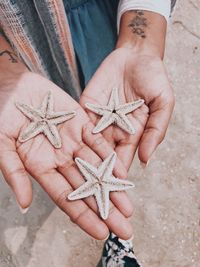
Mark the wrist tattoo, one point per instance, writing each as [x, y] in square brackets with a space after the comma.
[138, 24]
[12, 56]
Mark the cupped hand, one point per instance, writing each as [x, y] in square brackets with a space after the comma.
[137, 76]
[55, 169]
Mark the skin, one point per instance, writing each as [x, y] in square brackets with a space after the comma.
[54, 169]
[137, 69]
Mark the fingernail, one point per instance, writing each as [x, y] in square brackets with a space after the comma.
[106, 238]
[130, 239]
[23, 211]
[144, 165]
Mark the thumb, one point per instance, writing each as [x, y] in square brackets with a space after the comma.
[16, 176]
[160, 111]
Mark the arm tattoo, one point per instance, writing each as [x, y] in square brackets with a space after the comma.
[12, 56]
[138, 24]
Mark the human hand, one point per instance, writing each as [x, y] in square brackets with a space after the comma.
[137, 76]
[54, 169]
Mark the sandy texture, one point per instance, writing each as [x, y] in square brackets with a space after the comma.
[167, 194]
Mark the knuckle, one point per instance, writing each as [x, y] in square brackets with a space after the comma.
[12, 174]
[66, 164]
[112, 209]
[162, 137]
[80, 149]
[157, 132]
[77, 217]
[99, 141]
[154, 129]
[34, 164]
[61, 199]
[129, 212]
[87, 128]
[160, 134]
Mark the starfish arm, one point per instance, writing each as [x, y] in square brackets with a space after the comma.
[97, 186]
[51, 132]
[123, 122]
[85, 190]
[104, 122]
[114, 99]
[60, 117]
[107, 166]
[102, 198]
[29, 111]
[116, 184]
[87, 170]
[129, 107]
[100, 110]
[33, 129]
[47, 104]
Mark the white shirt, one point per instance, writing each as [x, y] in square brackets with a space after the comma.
[161, 7]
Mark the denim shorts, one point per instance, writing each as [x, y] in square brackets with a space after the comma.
[94, 33]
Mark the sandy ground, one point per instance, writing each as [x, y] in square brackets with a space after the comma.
[167, 195]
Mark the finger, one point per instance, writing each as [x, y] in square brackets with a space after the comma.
[128, 144]
[116, 221]
[58, 188]
[16, 176]
[156, 127]
[126, 153]
[102, 148]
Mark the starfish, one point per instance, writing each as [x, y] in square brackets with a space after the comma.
[44, 120]
[100, 182]
[115, 113]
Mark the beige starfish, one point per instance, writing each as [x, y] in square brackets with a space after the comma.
[115, 113]
[44, 120]
[100, 181]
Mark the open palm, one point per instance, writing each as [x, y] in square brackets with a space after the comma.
[53, 168]
[136, 77]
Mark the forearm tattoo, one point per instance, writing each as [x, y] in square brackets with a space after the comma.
[138, 24]
[12, 56]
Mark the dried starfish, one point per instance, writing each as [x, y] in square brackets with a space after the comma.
[44, 120]
[115, 113]
[100, 181]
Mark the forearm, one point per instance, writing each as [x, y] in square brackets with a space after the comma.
[11, 68]
[143, 31]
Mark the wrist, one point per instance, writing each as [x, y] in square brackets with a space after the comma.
[10, 79]
[143, 32]
[143, 48]
[11, 68]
